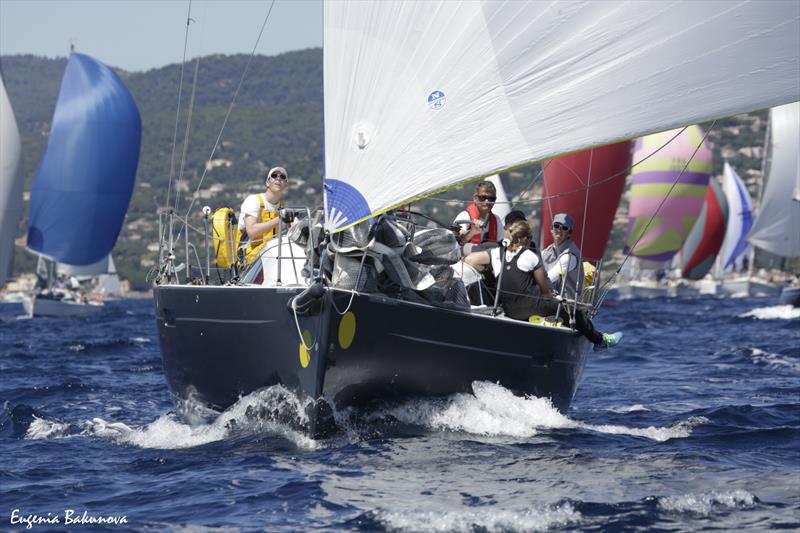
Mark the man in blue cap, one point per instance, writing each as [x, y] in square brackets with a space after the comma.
[565, 272]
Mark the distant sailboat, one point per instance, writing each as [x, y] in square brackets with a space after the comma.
[777, 227]
[10, 184]
[668, 188]
[101, 277]
[85, 180]
[740, 220]
[705, 240]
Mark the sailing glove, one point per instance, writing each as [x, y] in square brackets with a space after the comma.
[287, 216]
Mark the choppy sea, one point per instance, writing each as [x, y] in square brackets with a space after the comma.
[692, 424]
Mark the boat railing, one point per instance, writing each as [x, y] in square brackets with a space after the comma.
[179, 260]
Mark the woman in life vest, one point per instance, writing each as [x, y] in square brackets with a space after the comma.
[259, 216]
[524, 280]
[484, 227]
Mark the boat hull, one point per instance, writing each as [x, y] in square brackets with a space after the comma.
[220, 343]
[637, 290]
[36, 306]
[790, 296]
[748, 288]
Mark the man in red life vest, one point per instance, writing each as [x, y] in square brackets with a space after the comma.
[478, 225]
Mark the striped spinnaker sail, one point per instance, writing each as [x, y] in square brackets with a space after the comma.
[705, 239]
[665, 199]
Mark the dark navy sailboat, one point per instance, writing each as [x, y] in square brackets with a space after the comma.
[419, 98]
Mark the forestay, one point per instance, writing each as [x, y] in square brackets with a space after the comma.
[777, 227]
[420, 96]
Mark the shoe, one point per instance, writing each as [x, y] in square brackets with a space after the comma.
[609, 341]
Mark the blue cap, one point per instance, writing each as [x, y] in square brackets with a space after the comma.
[565, 219]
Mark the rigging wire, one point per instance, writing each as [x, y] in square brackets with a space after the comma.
[542, 198]
[178, 110]
[186, 133]
[606, 286]
[227, 116]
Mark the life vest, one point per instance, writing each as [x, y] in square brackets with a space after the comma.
[472, 209]
[225, 237]
[253, 247]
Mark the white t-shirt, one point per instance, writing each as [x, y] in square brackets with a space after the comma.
[527, 262]
[464, 215]
[252, 206]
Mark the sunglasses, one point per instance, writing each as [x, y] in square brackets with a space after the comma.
[485, 198]
[278, 176]
[556, 225]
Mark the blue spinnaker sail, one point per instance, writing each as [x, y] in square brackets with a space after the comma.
[84, 183]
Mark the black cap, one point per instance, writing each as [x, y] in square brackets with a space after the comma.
[515, 215]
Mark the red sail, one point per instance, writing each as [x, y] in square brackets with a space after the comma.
[565, 187]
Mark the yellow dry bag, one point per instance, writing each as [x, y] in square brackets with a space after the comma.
[225, 233]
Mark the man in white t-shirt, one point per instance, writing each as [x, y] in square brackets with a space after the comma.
[259, 216]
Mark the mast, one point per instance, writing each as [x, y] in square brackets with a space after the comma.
[751, 259]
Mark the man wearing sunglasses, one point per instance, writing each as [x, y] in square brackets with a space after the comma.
[259, 216]
[477, 224]
[562, 265]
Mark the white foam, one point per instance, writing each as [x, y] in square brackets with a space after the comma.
[140, 340]
[776, 312]
[488, 519]
[496, 411]
[250, 415]
[42, 428]
[705, 503]
[168, 432]
[774, 360]
[629, 408]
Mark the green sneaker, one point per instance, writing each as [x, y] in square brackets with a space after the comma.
[609, 341]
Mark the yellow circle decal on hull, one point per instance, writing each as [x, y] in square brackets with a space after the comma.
[305, 355]
[347, 330]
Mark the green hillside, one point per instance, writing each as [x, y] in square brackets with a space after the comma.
[277, 120]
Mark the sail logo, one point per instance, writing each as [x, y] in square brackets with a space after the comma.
[436, 100]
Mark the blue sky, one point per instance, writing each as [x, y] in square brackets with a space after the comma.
[138, 35]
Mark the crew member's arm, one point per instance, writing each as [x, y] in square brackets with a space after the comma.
[256, 229]
[566, 263]
[475, 227]
[478, 260]
[541, 280]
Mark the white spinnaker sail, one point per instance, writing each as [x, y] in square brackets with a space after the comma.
[740, 217]
[10, 183]
[777, 227]
[420, 96]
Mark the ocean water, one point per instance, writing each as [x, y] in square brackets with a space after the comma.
[692, 424]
